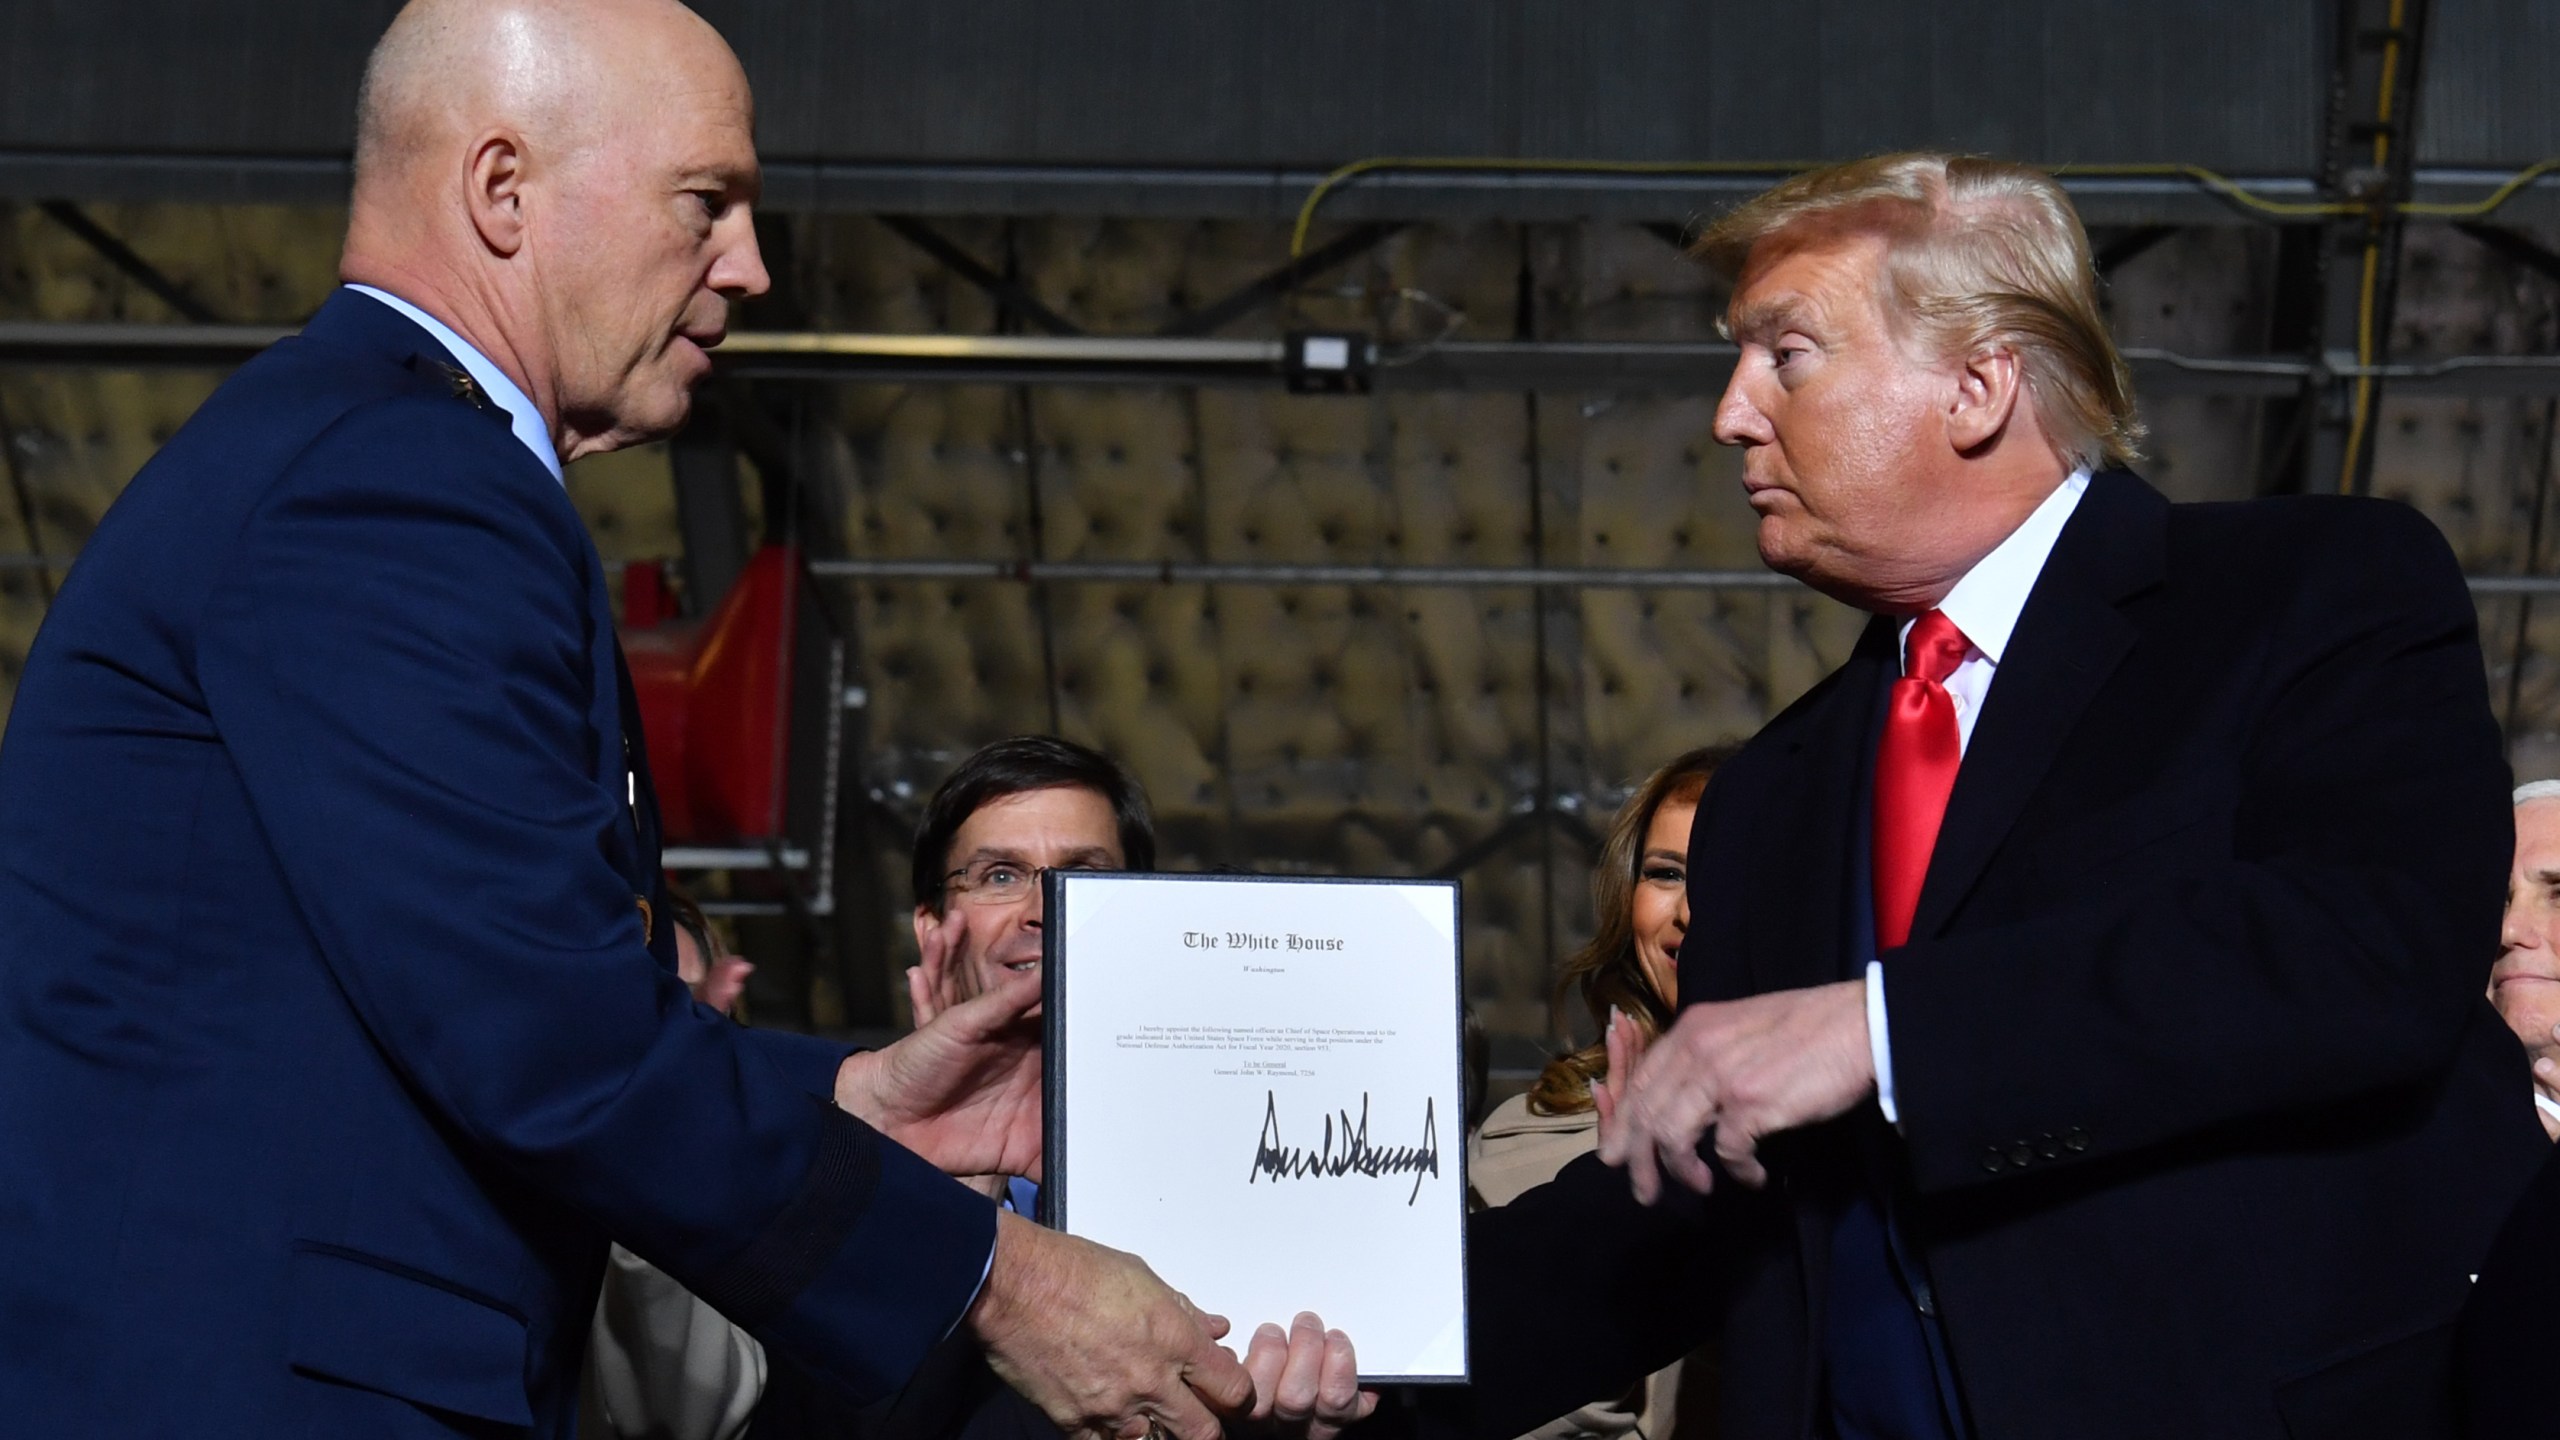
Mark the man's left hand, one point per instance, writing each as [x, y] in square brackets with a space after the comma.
[1306, 1383]
[963, 1090]
[1743, 1068]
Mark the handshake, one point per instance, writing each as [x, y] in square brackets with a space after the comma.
[1108, 1351]
[1089, 1334]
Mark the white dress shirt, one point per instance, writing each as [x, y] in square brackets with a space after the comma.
[525, 415]
[1985, 606]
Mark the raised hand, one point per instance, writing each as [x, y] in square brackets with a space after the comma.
[1623, 1041]
[933, 985]
[724, 982]
[1103, 1347]
[962, 1090]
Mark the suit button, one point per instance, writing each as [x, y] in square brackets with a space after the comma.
[2075, 1139]
[2022, 1154]
[2048, 1147]
[1994, 1161]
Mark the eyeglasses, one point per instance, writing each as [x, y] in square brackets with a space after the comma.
[986, 884]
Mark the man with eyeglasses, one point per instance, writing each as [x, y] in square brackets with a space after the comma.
[1012, 810]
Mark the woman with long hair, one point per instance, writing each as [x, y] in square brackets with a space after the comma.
[1640, 909]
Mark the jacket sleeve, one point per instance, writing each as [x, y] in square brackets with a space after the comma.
[399, 658]
[2331, 948]
[809, 1061]
[1575, 1290]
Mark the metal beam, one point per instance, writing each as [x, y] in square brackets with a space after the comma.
[1661, 367]
[1174, 572]
[2522, 249]
[985, 359]
[799, 186]
[1342, 249]
[2293, 328]
[1007, 294]
[1678, 237]
[26, 342]
[2121, 249]
[117, 253]
[1428, 577]
[2370, 161]
[711, 514]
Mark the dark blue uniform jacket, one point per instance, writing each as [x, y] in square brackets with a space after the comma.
[331, 1050]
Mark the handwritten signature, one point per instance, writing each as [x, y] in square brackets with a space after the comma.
[1358, 1157]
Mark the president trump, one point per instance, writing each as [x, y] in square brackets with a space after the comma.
[2083, 1031]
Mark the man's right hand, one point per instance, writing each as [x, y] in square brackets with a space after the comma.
[964, 1090]
[1103, 1347]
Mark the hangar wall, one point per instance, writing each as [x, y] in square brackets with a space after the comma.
[1323, 728]
[1130, 164]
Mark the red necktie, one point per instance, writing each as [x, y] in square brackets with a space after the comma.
[1916, 764]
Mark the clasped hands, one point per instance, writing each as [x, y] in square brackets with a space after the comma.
[1741, 1069]
[1106, 1349]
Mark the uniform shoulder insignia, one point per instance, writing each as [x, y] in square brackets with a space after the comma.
[464, 387]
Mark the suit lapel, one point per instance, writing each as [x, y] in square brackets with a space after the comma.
[2069, 640]
[1805, 934]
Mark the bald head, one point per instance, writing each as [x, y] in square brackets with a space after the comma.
[566, 183]
[562, 70]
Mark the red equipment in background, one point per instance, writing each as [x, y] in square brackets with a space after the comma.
[715, 699]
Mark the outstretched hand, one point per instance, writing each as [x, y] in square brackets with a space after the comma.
[1743, 1069]
[962, 1090]
[1103, 1347]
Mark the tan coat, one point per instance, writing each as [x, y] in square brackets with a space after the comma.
[1514, 1151]
[662, 1365]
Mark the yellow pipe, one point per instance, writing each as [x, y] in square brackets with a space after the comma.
[2360, 418]
[2214, 181]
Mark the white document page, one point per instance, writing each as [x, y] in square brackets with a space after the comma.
[1254, 1087]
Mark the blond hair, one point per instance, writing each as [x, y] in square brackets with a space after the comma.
[1980, 254]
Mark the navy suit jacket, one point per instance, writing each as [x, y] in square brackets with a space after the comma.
[331, 1053]
[2205, 1121]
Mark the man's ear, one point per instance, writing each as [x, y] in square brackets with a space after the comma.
[1988, 386]
[495, 191]
[927, 922]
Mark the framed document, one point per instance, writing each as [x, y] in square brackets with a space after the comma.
[1253, 1085]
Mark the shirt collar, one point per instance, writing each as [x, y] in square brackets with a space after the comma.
[1986, 603]
[525, 415]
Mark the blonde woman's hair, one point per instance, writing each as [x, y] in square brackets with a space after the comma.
[1981, 254]
[1605, 971]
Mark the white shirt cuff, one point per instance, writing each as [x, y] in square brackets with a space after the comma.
[1880, 1042]
[985, 1273]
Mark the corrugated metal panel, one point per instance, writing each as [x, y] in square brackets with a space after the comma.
[208, 76]
[1173, 82]
[2492, 77]
[1147, 81]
